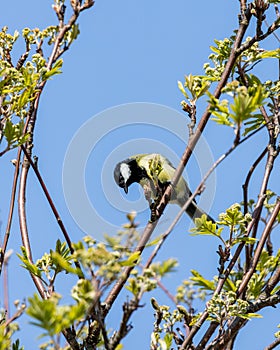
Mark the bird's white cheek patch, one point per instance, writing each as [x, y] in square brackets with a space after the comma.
[125, 171]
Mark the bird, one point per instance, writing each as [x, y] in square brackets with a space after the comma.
[154, 173]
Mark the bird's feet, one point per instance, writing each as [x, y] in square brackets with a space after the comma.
[154, 215]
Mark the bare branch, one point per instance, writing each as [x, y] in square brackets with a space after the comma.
[248, 178]
[16, 315]
[272, 154]
[23, 226]
[274, 279]
[259, 249]
[273, 345]
[125, 328]
[11, 211]
[53, 207]
[272, 28]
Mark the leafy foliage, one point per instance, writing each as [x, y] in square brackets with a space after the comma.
[51, 317]
[248, 268]
[225, 306]
[246, 101]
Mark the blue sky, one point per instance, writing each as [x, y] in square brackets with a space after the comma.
[127, 52]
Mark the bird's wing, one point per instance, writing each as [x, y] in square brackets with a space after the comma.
[159, 168]
[151, 163]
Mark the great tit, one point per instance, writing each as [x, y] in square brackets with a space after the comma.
[154, 173]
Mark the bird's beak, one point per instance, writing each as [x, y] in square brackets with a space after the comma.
[125, 188]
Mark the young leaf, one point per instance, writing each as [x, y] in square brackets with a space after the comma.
[202, 282]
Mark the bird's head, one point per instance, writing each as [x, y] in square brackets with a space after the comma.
[128, 172]
[122, 175]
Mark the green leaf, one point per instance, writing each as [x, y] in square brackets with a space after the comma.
[167, 266]
[154, 241]
[246, 240]
[155, 304]
[64, 264]
[9, 132]
[164, 267]
[246, 102]
[233, 216]
[254, 315]
[16, 345]
[56, 69]
[84, 291]
[205, 227]
[230, 285]
[182, 89]
[32, 268]
[51, 317]
[270, 54]
[132, 286]
[75, 31]
[23, 99]
[202, 282]
[132, 260]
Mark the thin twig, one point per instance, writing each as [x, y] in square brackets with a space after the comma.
[273, 345]
[6, 284]
[30, 128]
[259, 249]
[245, 280]
[166, 291]
[245, 200]
[23, 227]
[11, 211]
[205, 117]
[124, 328]
[272, 28]
[248, 178]
[208, 334]
[272, 282]
[52, 205]
[272, 154]
[15, 316]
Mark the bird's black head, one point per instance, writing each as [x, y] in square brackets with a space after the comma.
[127, 172]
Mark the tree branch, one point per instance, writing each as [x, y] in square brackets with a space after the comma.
[248, 178]
[274, 26]
[23, 226]
[11, 211]
[273, 345]
[272, 154]
[272, 282]
[259, 249]
[52, 205]
[245, 199]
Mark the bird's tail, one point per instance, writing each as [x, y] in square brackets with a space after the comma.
[195, 212]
